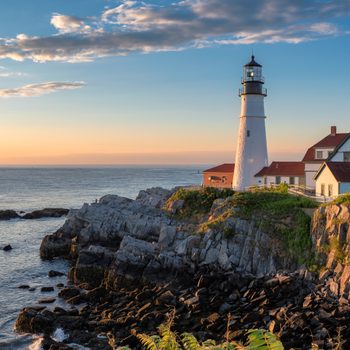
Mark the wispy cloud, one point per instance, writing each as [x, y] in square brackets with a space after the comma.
[138, 26]
[40, 89]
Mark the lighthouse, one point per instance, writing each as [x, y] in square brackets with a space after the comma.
[251, 151]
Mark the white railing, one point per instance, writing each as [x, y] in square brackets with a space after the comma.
[297, 191]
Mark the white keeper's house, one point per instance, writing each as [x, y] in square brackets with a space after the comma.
[324, 170]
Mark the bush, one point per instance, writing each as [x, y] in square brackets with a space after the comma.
[343, 199]
[198, 201]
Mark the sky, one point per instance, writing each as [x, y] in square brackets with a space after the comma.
[156, 82]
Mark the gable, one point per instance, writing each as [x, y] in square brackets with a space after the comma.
[325, 175]
[338, 154]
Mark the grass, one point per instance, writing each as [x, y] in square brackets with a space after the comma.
[198, 201]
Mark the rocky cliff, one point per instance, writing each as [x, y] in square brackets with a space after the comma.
[330, 232]
[135, 261]
[137, 239]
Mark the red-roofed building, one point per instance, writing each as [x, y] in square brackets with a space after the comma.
[220, 176]
[333, 179]
[324, 170]
[320, 152]
[291, 173]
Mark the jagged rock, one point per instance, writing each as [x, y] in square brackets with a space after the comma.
[331, 231]
[53, 246]
[7, 248]
[154, 197]
[175, 206]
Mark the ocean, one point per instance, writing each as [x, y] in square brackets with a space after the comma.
[27, 189]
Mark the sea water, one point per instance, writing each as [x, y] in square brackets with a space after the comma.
[27, 189]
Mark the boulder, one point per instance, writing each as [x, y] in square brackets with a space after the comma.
[53, 246]
[7, 248]
[8, 215]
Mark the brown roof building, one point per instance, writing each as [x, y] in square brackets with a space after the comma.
[220, 176]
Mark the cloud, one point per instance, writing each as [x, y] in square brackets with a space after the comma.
[69, 24]
[40, 89]
[135, 26]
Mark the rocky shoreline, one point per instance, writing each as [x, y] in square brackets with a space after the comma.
[133, 263]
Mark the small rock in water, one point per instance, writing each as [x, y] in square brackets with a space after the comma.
[8, 215]
[7, 248]
[32, 289]
[60, 285]
[46, 300]
[53, 273]
[24, 286]
[47, 289]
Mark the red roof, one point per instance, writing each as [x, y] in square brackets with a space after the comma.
[330, 141]
[340, 170]
[283, 169]
[223, 168]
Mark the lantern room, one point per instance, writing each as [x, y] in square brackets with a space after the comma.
[252, 80]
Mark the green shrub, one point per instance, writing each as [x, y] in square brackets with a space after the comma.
[198, 201]
[343, 199]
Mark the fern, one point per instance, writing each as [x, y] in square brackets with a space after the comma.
[260, 339]
[190, 342]
[168, 338]
[149, 342]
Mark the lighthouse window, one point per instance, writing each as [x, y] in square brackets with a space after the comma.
[248, 133]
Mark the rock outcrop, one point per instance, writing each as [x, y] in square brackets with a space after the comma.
[135, 239]
[331, 236]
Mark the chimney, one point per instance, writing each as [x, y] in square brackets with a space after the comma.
[333, 130]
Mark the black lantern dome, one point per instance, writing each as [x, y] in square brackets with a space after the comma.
[252, 80]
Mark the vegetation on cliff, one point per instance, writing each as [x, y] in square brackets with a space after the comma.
[343, 199]
[274, 210]
[197, 201]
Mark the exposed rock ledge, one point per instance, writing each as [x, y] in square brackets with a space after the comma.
[137, 239]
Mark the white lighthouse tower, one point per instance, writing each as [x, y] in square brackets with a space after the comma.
[251, 152]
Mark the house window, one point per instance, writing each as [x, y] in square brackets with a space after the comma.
[292, 180]
[330, 190]
[346, 156]
[319, 154]
[278, 180]
[265, 180]
[322, 189]
[224, 179]
[248, 133]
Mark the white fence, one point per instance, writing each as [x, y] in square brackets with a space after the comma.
[298, 191]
